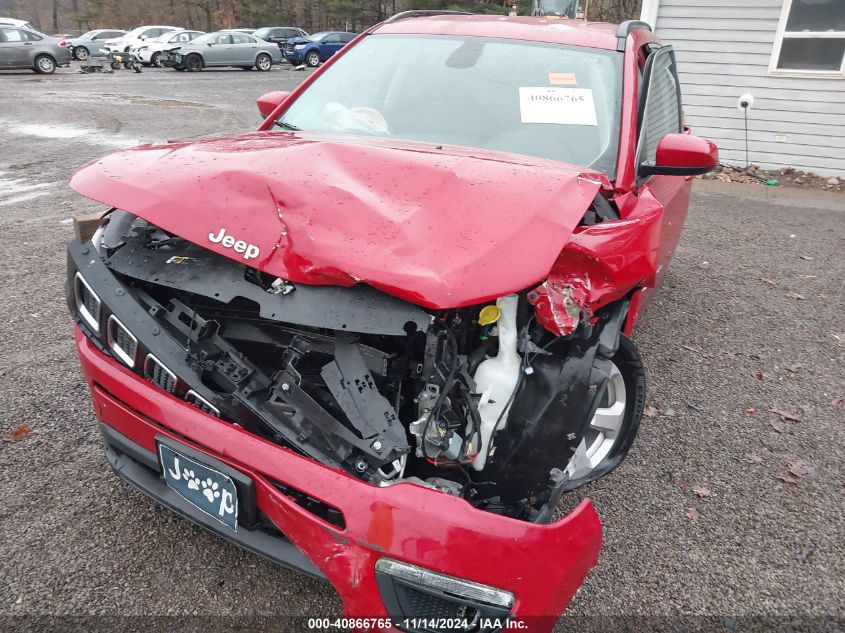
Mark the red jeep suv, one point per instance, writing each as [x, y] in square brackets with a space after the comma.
[379, 338]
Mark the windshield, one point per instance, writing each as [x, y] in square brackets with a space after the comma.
[543, 100]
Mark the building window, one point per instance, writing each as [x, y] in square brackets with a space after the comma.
[810, 39]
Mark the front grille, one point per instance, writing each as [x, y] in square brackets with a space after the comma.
[192, 397]
[160, 375]
[289, 49]
[121, 341]
[87, 302]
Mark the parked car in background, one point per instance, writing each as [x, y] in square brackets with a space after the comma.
[279, 34]
[223, 48]
[24, 48]
[91, 43]
[247, 31]
[315, 49]
[148, 53]
[13, 22]
[135, 37]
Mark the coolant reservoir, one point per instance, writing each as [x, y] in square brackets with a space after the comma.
[496, 378]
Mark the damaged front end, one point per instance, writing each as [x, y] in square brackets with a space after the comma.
[371, 361]
[482, 402]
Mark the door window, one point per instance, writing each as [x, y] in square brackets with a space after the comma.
[242, 39]
[222, 39]
[13, 35]
[661, 113]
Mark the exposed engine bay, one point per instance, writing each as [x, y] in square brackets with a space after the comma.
[480, 402]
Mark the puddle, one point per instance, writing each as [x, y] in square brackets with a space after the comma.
[15, 190]
[62, 131]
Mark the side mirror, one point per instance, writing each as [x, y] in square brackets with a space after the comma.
[682, 155]
[142, 37]
[269, 102]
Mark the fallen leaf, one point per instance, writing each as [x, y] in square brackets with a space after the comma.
[800, 468]
[777, 426]
[668, 412]
[692, 514]
[838, 402]
[750, 410]
[806, 258]
[785, 415]
[794, 368]
[761, 375]
[754, 458]
[701, 491]
[787, 478]
[19, 432]
[769, 280]
[808, 276]
[804, 555]
[794, 295]
[649, 411]
[683, 485]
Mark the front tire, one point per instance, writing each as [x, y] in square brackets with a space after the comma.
[45, 65]
[80, 53]
[263, 62]
[312, 59]
[154, 60]
[617, 420]
[194, 63]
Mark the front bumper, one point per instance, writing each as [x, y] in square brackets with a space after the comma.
[541, 565]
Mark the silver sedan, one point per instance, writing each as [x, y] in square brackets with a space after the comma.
[224, 48]
[25, 48]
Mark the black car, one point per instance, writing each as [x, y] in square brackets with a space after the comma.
[279, 34]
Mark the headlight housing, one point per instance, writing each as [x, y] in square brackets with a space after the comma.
[299, 47]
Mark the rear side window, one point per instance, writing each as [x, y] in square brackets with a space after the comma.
[662, 114]
[242, 39]
[331, 39]
[346, 38]
[109, 34]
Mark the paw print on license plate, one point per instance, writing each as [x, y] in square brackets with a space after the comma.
[208, 489]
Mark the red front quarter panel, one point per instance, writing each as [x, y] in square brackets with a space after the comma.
[542, 565]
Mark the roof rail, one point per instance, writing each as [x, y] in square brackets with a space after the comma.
[625, 29]
[422, 13]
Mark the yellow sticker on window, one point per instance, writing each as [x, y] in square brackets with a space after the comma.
[562, 79]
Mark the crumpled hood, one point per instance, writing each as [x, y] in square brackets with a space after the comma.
[438, 226]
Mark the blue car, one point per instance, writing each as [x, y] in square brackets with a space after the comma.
[317, 48]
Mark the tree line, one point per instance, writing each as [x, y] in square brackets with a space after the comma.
[67, 16]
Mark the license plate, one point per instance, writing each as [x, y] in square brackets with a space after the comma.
[202, 486]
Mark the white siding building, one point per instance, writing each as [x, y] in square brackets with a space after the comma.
[788, 54]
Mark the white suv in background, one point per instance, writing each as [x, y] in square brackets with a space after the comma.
[148, 51]
[135, 38]
[21, 24]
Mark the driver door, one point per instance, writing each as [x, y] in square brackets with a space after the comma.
[661, 113]
[218, 51]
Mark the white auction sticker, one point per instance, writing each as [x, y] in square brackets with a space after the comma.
[561, 106]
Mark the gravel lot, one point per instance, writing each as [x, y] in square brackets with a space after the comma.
[697, 521]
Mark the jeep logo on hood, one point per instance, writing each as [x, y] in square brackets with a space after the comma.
[250, 251]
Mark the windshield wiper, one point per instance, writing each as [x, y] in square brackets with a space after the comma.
[286, 126]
